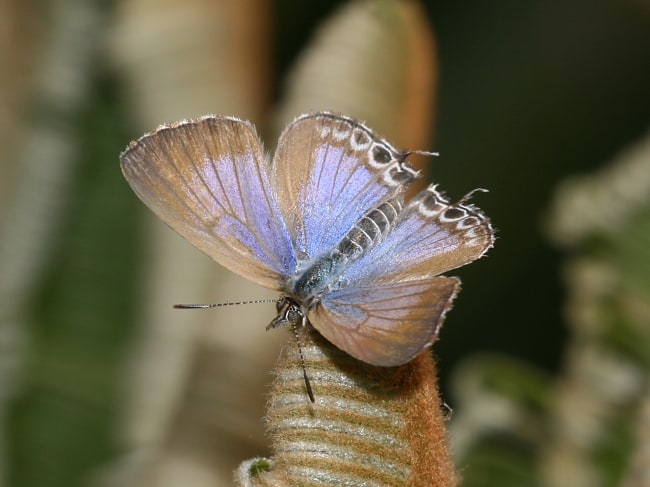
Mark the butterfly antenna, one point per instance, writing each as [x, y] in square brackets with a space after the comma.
[217, 305]
[310, 393]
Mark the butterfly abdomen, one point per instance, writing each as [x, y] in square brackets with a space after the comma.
[369, 231]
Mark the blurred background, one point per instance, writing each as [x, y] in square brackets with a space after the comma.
[544, 358]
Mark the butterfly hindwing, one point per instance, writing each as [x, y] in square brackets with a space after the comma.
[388, 305]
[208, 180]
[385, 324]
[430, 237]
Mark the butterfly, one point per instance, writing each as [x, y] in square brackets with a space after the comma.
[325, 222]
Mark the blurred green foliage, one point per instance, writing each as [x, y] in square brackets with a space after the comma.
[63, 420]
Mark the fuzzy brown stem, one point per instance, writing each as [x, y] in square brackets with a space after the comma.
[369, 425]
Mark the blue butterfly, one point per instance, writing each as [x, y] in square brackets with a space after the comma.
[325, 222]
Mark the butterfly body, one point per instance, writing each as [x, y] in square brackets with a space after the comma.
[322, 274]
[324, 222]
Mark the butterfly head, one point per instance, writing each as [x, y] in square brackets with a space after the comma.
[290, 312]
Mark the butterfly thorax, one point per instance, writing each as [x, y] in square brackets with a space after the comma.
[323, 273]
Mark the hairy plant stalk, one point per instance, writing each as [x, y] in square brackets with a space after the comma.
[369, 425]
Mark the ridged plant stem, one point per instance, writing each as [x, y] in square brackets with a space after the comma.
[369, 425]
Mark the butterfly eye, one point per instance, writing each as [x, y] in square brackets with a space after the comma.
[289, 313]
[281, 303]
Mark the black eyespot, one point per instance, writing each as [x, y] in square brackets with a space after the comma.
[361, 138]
[400, 176]
[381, 155]
[470, 221]
[430, 200]
[453, 213]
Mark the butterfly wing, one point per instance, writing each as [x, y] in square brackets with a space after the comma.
[208, 180]
[386, 324]
[390, 304]
[431, 236]
[327, 172]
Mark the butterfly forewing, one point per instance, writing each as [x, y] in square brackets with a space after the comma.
[328, 171]
[385, 324]
[208, 180]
